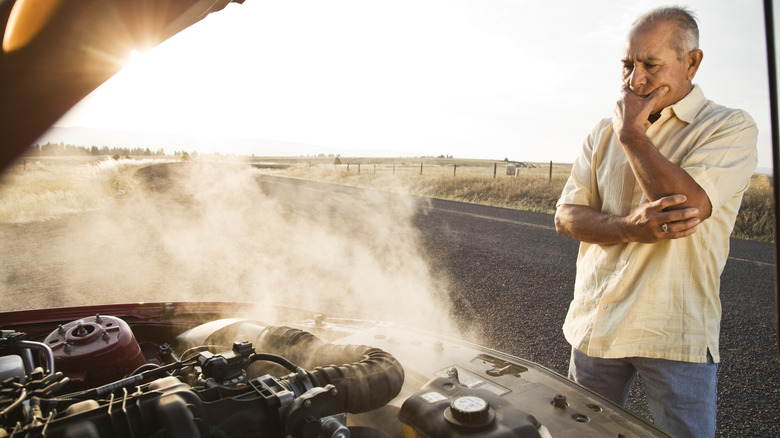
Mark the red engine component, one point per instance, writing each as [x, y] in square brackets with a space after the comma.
[95, 351]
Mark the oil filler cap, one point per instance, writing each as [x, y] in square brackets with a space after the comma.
[469, 411]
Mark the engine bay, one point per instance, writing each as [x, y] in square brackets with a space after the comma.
[165, 370]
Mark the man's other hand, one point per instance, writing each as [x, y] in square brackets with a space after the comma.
[651, 222]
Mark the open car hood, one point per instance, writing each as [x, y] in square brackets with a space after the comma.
[55, 52]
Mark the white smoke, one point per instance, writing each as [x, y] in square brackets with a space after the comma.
[208, 231]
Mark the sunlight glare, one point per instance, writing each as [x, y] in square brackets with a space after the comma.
[451, 78]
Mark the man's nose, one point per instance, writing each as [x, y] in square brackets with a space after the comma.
[637, 77]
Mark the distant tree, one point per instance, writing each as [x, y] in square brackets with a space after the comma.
[116, 157]
[185, 156]
[506, 160]
[337, 160]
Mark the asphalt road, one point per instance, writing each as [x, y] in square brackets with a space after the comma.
[513, 274]
[511, 277]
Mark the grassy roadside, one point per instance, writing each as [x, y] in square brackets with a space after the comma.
[37, 189]
[466, 181]
[535, 187]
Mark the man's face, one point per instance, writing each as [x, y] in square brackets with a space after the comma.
[650, 61]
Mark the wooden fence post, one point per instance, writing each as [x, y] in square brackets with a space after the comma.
[421, 168]
[454, 169]
[550, 170]
[495, 166]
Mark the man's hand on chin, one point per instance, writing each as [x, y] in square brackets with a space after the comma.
[632, 110]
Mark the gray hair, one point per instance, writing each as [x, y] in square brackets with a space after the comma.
[686, 34]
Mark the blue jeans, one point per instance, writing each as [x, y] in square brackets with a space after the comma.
[682, 396]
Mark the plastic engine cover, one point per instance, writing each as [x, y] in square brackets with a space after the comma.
[95, 350]
[445, 408]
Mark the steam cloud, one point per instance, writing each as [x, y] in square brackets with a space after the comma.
[209, 231]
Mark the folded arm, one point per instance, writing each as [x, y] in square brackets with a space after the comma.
[657, 176]
[644, 224]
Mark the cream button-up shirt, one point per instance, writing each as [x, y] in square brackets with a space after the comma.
[659, 300]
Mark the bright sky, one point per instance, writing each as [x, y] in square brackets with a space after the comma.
[469, 78]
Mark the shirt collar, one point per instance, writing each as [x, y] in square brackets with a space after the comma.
[687, 107]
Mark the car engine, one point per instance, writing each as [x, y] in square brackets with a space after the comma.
[209, 390]
[232, 377]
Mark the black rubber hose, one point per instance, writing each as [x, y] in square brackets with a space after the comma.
[368, 378]
[363, 385]
[100, 391]
[295, 345]
[274, 358]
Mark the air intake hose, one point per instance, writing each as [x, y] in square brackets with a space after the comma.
[368, 378]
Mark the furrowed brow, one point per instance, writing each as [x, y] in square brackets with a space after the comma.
[648, 60]
[629, 62]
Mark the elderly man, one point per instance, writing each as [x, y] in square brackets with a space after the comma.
[653, 198]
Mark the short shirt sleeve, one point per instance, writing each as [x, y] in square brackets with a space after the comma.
[723, 164]
[581, 187]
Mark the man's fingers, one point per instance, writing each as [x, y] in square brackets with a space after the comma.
[680, 234]
[658, 92]
[682, 214]
[669, 201]
[679, 223]
[683, 225]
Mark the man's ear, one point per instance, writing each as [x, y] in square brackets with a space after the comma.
[693, 61]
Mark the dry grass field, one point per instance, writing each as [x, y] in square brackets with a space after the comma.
[40, 188]
[34, 190]
[531, 186]
[475, 181]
